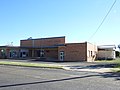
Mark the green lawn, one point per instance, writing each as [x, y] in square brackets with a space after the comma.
[117, 61]
[28, 64]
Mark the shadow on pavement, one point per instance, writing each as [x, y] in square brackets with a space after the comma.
[96, 66]
[102, 66]
[103, 75]
[115, 75]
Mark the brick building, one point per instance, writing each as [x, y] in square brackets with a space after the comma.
[13, 52]
[53, 49]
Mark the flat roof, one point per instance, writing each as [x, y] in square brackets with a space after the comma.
[44, 38]
[9, 46]
[106, 46]
[79, 43]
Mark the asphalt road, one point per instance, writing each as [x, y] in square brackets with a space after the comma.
[27, 78]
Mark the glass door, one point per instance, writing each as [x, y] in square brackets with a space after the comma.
[61, 55]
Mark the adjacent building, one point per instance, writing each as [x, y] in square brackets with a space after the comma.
[52, 49]
[106, 52]
[13, 52]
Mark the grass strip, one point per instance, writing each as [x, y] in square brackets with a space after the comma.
[28, 64]
[117, 62]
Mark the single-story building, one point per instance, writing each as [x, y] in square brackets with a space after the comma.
[53, 48]
[106, 52]
[13, 52]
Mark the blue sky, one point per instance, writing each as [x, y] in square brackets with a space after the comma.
[75, 19]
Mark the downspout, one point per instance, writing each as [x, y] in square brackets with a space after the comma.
[86, 59]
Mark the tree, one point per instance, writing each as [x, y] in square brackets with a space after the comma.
[117, 53]
[119, 46]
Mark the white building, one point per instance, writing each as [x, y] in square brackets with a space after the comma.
[106, 52]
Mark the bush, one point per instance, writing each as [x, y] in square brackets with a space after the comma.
[117, 53]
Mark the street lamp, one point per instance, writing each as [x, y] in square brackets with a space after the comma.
[2, 50]
[2, 53]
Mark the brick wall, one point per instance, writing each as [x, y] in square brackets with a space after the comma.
[26, 43]
[91, 52]
[74, 52]
[51, 54]
[42, 42]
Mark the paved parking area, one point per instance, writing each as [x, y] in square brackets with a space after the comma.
[27, 78]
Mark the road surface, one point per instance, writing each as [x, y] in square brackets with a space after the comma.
[28, 78]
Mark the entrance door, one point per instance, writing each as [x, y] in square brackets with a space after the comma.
[42, 54]
[61, 55]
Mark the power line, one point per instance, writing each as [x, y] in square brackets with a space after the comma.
[103, 20]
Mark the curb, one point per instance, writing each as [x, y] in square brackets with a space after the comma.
[22, 64]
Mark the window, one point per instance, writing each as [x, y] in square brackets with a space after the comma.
[91, 53]
[24, 53]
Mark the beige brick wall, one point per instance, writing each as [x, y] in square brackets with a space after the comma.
[108, 54]
[91, 52]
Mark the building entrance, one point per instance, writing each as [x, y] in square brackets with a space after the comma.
[61, 55]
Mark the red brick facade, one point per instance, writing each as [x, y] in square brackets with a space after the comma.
[42, 42]
[74, 52]
[55, 48]
[78, 52]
